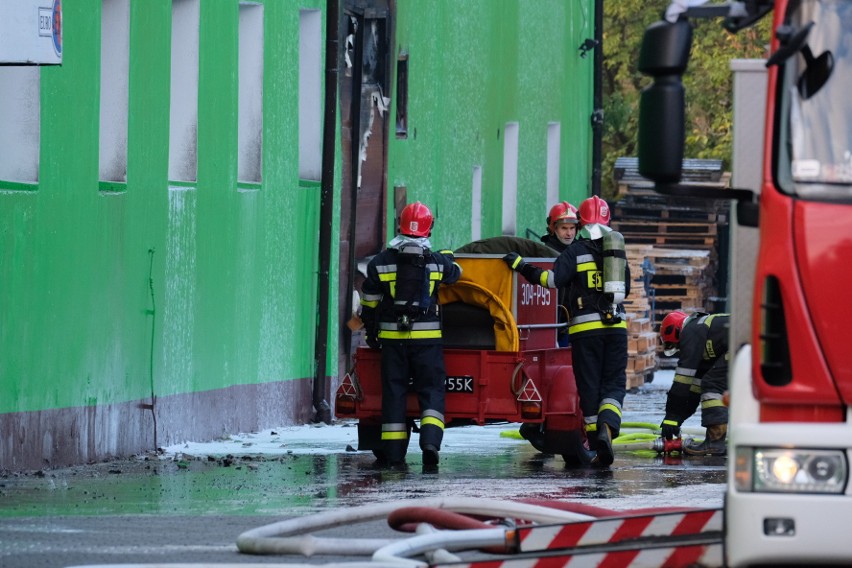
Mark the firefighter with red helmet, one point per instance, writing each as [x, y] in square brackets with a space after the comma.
[562, 224]
[701, 377]
[594, 269]
[399, 308]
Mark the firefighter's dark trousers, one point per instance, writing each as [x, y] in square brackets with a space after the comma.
[420, 365]
[688, 393]
[714, 383]
[600, 363]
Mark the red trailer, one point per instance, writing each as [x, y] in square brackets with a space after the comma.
[502, 358]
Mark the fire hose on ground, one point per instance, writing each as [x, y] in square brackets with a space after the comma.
[641, 437]
[441, 525]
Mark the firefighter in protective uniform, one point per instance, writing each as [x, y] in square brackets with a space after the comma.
[594, 268]
[701, 377]
[562, 225]
[401, 316]
[561, 230]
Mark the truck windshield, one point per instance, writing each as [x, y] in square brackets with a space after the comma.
[815, 144]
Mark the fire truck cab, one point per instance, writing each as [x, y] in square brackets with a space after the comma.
[788, 498]
[502, 360]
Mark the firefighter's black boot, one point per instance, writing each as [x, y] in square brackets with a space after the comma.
[714, 443]
[605, 455]
[430, 459]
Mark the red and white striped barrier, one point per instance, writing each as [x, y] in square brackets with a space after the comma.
[673, 540]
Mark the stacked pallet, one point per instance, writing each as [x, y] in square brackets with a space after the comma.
[642, 339]
[686, 239]
[683, 280]
[641, 351]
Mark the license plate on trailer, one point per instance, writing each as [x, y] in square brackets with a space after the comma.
[462, 384]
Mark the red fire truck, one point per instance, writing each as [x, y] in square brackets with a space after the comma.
[502, 359]
[788, 497]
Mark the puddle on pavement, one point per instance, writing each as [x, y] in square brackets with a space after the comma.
[302, 470]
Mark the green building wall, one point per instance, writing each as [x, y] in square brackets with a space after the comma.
[138, 315]
[474, 66]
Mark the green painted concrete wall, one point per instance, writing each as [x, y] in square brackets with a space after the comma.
[110, 297]
[229, 274]
[475, 66]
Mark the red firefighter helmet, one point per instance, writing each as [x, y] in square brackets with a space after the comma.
[670, 331]
[594, 210]
[562, 212]
[416, 220]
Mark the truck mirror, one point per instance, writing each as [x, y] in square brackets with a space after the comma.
[817, 71]
[663, 56]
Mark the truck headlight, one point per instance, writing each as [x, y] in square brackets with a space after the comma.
[769, 470]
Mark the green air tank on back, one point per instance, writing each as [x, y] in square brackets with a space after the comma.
[614, 272]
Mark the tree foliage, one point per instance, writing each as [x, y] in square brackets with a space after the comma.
[708, 82]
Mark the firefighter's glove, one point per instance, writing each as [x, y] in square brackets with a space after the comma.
[670, 429]
[515, 261]
[373, 342]
[530, 272]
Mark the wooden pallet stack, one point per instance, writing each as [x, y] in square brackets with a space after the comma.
[642, 339]
[686, 239]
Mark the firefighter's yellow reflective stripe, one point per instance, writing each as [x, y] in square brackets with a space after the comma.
[369, 303]
[695, 388]
[682, 379]
[431, 334]
[544, 278]
[394, 435]
[711, 403]
[596, 325]
[670, 423]
[395, 431]
[586, 266]
[429, 420]
[435, 274]
[518, 260]
[709, 352]
[592, 427]
[611, 407]
[387, 277]
[707, 320]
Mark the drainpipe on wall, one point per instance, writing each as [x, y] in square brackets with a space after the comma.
[326, 222]
[597, 101]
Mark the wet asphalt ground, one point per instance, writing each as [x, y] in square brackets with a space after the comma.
[190, 504]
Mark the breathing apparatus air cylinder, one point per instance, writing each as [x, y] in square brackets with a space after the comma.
[614, 273]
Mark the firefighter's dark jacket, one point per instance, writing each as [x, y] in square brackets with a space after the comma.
[579, 268]
[378, 290]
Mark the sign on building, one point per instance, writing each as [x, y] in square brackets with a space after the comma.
[30, 32]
